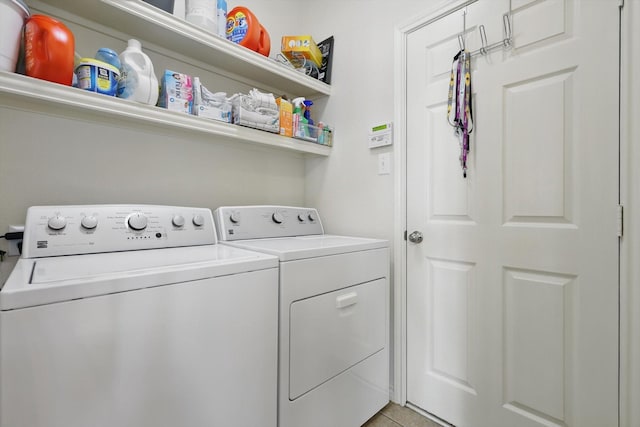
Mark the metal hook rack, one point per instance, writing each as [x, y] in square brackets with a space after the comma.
[506, 42]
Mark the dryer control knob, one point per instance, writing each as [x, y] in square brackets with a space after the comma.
[57, 222]
[312, 216]
[177, 220]
[89, 222]
[198, 220]
[137, 221]
[277, 218]
[234, 217]
[301, 218]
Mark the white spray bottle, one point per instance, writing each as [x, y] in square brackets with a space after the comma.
[138, 81]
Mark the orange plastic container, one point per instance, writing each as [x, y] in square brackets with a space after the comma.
[244, 28]
[49, 49]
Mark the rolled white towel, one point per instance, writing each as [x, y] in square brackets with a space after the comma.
[263, 100]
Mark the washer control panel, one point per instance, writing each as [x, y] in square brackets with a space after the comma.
[258, 222]
[75, 230]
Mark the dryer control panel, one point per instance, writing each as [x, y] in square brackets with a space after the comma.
[84, 229]
[259, 222]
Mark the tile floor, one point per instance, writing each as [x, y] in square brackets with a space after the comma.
[394, 415]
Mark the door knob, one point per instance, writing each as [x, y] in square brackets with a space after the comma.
[415, 237]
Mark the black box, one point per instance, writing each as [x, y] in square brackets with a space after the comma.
[326, 47]
[166, 5]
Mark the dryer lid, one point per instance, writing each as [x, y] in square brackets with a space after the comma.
[301, 247]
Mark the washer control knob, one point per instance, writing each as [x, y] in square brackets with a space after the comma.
[301, 218]
[198, 220]
[277, 218]
[234, 217]
[57, 222]
[312, 216]
[137, 221]
[177, 220]
[89, 222]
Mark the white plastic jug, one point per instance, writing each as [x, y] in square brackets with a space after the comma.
[202, 13]
[138, 81]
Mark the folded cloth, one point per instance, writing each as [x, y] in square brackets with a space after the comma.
[263, 100]
[206, 97]
[258, 110]
[256, 100]
[253, 117]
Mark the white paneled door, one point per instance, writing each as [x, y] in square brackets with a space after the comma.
[512, 296]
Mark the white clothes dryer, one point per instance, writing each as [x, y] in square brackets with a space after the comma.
[122, 315]
[334, 314]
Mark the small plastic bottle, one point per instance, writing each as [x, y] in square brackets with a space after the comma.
[138, 81]
[221, 15]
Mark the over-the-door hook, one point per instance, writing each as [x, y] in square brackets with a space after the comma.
[463, 35]
[483, 40]
[461, 41]
[506, 23]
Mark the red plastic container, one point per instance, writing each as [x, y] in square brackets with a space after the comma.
[244, 28]
[49, 50]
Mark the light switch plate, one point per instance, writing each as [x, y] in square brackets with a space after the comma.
[384, 163]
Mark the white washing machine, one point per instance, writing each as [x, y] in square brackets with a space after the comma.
[133, 316]
[334, 314]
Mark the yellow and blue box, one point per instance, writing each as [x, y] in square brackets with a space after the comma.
[295, 46]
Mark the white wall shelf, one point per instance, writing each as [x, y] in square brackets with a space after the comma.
[41, 96]
[146, 22]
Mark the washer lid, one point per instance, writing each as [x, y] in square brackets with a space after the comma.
[47, 280]
[293, 248]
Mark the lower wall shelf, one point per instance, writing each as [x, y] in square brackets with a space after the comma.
[30, 93]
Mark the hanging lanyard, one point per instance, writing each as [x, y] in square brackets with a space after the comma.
[459, 106]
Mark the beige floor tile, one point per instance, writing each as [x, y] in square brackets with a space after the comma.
[406, 417]
[381, 421]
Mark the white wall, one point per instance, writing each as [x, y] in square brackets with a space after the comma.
[353, 198]
[48, 159]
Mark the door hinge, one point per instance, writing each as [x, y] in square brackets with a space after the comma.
[405, 234]
[620, 220]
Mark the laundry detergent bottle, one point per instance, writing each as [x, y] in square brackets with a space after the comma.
[244, 29]
[49, 50]
[138, 81]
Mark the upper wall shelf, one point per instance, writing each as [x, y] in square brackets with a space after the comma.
[147, 22]
[18, 91]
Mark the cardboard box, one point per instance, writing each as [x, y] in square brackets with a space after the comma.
[176, 92]
[222, 114]
[293, 47]
[286, 117]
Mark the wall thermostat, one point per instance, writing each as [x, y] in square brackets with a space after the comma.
[381, 135]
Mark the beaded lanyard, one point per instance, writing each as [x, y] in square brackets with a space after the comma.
[461, 117]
